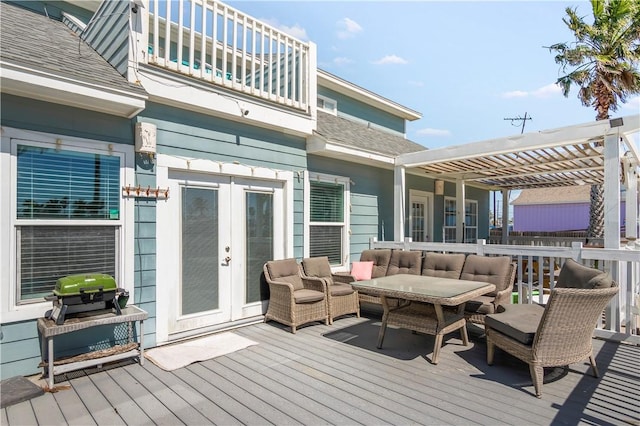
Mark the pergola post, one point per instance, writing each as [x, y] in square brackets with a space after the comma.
[631, 200]
[505, 216]
[612, 191]
[460, 210]
[399, 187]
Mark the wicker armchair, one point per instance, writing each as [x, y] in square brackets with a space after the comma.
[554, 335]
[294, 300]
[342, 299]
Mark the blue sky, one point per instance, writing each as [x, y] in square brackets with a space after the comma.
[466, 66]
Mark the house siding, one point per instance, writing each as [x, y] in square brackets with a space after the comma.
[554, 217]
[19, 341]
[109, 33]
[351, 107]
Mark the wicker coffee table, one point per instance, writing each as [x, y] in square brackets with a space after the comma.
[422, 304]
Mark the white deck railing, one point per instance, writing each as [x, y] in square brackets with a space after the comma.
[620, 321]
[209, 40]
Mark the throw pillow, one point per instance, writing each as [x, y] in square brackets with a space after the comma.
[362, 270]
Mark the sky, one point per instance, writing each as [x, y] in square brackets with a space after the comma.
[467, 67]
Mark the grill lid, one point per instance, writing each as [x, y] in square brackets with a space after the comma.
[73, 285]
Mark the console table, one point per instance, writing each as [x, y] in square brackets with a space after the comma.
[49, 330]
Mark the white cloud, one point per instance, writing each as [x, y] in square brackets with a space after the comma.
[540, 93]
[341, 60]
[296, 31]
[515, 94]
[347, 28]
[434, 132]
[547, 91]
[391, 59]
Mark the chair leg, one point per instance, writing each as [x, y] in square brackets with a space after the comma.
[537, 376]
[464, 336]
[594, 367]
[293, 329]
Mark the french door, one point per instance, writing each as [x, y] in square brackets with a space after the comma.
[223, 230]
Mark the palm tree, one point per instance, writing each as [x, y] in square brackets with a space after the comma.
[603, 63]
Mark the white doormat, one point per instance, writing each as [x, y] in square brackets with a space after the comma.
[179, 355]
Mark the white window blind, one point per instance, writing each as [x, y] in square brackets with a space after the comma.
[327, 220]
[65, 186]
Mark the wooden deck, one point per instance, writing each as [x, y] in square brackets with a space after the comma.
[336, 375]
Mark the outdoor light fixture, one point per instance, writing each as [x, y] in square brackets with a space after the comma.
[439, 187]
[616, 122]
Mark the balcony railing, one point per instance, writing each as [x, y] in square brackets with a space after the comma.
[216, 43]
[620, 319]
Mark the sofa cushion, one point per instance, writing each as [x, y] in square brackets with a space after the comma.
[306, 295]
[520, 322]
[317, 267]
[286, 270]
[340, 289]
[405, 262]
[576, 275]
[362, 270]
[443, 265]
[481, 305]
[380, 258]
[494, 270]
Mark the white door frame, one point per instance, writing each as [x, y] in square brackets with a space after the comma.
[427, 198]
[166, 242]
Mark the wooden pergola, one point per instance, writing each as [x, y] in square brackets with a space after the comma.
[599, 152]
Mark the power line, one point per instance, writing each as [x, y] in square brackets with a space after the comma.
[518, 118]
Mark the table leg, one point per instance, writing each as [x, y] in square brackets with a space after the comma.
[50, 360]
[441, 324]
[141, 342]
[385, 316]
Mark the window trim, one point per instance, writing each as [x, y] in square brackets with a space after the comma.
[346, 232]
[10, 310]
[325, 100]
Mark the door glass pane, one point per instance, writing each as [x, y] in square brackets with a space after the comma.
[418, 221]
[259, 244]
[199, 250]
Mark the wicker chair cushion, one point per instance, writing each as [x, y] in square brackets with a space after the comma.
[317, 267]
[362, 270]
[520, 322]
[340, 289]
[285, 270]
[380, 258]
[481, 305]
[493, 270]
[306, 295]
[575, 275]
[443, 265]
[405, 262]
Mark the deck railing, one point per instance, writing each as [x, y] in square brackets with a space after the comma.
[211, 41]
[620, 319]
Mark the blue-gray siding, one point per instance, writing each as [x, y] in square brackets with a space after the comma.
[354, 108]
[108, 33]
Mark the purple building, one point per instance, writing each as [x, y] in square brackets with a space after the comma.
[554, 209]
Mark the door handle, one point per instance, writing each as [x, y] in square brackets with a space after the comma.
[227, 259]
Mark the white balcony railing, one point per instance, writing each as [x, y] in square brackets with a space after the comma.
[214, 42]
[620, 321]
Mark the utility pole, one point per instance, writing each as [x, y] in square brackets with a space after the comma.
[518, 118]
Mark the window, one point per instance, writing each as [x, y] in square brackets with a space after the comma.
[327, 105]
[328, 234]
[59, 187]
[66, 216]
[470, 221]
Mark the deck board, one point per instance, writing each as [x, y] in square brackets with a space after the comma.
[336, 375]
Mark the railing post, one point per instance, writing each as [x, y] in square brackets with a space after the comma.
[407, 243]
[576, 251]
[480, 247]
[372, 242]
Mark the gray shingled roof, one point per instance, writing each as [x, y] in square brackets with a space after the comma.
[34, 41]
[558, 195]
[345, 132]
